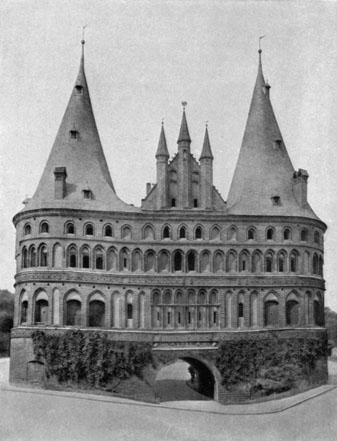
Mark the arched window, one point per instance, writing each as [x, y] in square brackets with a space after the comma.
[24, 312]
[99, 259]
[43, 256]
[256, 262]
[41, 307]
[269, 262]
[231, 261]
[166, 232]
[89, 230]
[70, 228]
[148, 233]
[136, 260]
[111, 260]
[163, 261]
[270, 234]
[124, 263]
[149, 261]
[232, 233]
[96, 313]
[292, 310]
[178, 261]
[126, 232]
[205, 262]
[198, 233]
[315, 264]
[281, 262]
[191, 261]
[304, 235]
[287, 234]
[215, 233]
[293, 262]
[27, 230]
[251, 234]
[182, 233]
[108, 231]
[72, 256]
[44, 227]
[244, 261]
[316, 237]
[73, 310]
[320, 266]
[218, 261]
[24, 261]
[32, 256]
[85, 257]
[271, 310]
[317, 311]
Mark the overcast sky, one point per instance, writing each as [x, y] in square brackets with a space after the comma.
[142, 59]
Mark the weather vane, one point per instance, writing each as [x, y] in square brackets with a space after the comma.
[260, 38]
[184, 104]
[83, 28]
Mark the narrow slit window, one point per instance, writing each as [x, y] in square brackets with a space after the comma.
[79, 90]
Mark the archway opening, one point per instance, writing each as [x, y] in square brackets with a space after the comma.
[187, 379]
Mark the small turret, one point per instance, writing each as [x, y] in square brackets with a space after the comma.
[162, 157]
[184, 164]
[206, 173]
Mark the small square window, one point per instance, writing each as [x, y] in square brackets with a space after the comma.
[87, 194]
[74, 134]
[79, 90]
[276, 200]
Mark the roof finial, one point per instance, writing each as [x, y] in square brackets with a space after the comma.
[162, 121]
[184, 104]
[83, 28]
[260, 38]
[206, 124]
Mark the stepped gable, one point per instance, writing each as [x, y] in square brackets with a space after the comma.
[77, 155]
[264, 173]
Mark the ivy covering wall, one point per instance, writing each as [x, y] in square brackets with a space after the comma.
[258, 366]
[90, 358]
[270, 365]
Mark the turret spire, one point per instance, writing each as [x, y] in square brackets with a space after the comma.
[162, 146]
[206, 148]
[184, 134]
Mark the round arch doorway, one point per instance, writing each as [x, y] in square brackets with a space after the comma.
[185, 379]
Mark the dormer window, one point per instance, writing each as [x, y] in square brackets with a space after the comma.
[276, 200]
[78, 90]
[73, 134]
[87, 194]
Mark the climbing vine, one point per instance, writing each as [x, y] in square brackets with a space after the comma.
[90, 358]
[268, 365]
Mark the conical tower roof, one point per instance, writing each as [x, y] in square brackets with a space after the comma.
[263, 170]
[206, 148]
[162, 146]
[184, 134]
[78, 148]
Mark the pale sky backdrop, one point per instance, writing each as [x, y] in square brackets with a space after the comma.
[142, 59]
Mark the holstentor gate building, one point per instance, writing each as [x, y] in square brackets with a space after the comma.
[184, 270]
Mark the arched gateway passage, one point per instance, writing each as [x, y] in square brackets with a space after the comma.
[185, 379]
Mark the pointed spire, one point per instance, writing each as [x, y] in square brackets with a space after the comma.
[162, 146]
[184, 134]
[264, 168]
[78, 149]
[206, 148]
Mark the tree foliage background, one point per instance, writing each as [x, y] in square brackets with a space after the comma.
[6, 320]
